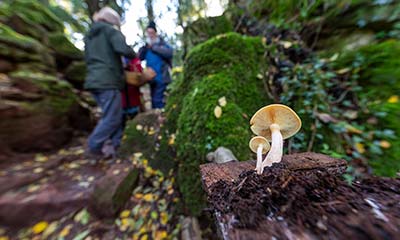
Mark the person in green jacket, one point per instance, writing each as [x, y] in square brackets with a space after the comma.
[104, 47]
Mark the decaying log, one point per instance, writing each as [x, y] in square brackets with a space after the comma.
[367, 209]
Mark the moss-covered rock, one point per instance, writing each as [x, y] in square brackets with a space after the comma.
[24, 49]
[205, 28]
[44, 117]
[225, 66]
[10, 37]
[63, 46]
[32, 12]
[76, 73]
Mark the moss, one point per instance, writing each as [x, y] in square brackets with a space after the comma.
[63, 46]
[76, 73]
[60, 96]
[225, 66]
[205, 28]
[377, 70]
[377, 65]
[386, 161]
[33, 12]
[230, 51]
[10, 37]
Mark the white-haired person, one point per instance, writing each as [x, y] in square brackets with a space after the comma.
[104, 47]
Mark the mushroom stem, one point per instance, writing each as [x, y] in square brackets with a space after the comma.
[275, 154]
[259, 158]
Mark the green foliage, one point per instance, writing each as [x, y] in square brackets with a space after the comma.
[10, 37]
[225, 66]
[376, 65]
[206, 28]
[33, 12]
[376, 68]
[76, 72]
[60, 96]
[78, 21]
[61, 44]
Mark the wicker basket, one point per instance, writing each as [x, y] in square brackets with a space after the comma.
[139, 79]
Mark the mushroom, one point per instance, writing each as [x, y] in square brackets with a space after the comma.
[275, 122]
[259, 145]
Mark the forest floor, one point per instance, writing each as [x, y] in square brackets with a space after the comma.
[48, 196]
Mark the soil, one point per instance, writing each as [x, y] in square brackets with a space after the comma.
[312, 203]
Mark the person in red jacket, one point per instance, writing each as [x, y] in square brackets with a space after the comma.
[131, 95]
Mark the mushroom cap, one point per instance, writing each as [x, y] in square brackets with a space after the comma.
[256, 141]
[282, 115]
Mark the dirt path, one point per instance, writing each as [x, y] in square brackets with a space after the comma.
[51, 197]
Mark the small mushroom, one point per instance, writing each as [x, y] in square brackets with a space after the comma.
[259, 145]
[275, 122]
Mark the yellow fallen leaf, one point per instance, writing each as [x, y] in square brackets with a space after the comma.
[79, 152]
[39, 227]
[360, 148]
[217, 111]
[393, 99]
[161, 235]
[171, 140]
[286, 44]
[138, 195]
[343, 70]
[138, 155]
[144, 237]
[164, 218]
[124, 224]
[125, 214]
[142, 230]
[41, 158]
[50, 230]
[385, 144]
[170, 191]
[151, 131]
[264, 40]
[38, 170]
[352, 129]
[148, 197]
[65, 231]
[222, 101]
[145, 162]
[63, 152]
[334, 57]
[33, 188]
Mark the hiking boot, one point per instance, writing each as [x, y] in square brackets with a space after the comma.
[109, 151]
[93, 155]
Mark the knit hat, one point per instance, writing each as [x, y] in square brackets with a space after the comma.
[152, 25]
[109, 15]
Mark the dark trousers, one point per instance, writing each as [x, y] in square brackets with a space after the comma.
[157, 93]
[110, 126]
